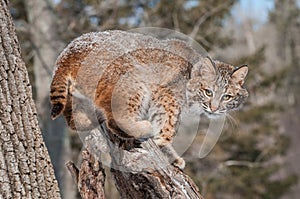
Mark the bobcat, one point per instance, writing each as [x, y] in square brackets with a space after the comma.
[140, 85]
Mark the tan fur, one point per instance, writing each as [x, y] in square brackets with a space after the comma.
[137, 84]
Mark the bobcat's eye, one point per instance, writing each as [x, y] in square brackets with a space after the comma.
[226, 97]
[208, 93]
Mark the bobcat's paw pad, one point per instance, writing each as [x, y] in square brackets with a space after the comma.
[180, 163]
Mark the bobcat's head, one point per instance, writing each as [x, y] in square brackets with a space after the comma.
[216, 87]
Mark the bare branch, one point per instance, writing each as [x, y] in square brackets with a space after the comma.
[203, 18]
[239, 163]
[73, 170]
[175, 21]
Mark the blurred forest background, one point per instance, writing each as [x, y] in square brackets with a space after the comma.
[258, 155]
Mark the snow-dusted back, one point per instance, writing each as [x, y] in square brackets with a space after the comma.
[143, 86]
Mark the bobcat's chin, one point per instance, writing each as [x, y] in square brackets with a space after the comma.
[213, 115]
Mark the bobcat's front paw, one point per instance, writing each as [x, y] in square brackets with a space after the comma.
[179, 162]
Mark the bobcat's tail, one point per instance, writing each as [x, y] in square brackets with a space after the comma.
[67, 65]
[59, 91]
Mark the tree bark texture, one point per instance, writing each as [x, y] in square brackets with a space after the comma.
[90, 178]
[140, 170]
[25, 166]
[46, 45]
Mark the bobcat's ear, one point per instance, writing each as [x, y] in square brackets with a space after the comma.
[208, 68]
[205, 68]
[239, 74]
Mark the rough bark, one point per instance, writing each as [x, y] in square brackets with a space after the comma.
[91, 177]
[25, 166]
[46, 46]
[140, 170]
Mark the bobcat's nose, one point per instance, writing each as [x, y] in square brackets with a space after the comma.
[214, 105]
[214, 108]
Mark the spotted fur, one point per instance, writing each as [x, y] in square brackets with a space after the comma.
[220, 79]
[140, 93]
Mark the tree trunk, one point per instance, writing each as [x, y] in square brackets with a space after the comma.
[25, 166]
[47, 45]
[140, 170]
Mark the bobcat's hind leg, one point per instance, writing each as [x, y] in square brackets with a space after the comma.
[130, 110]
[81, 113]
[137, 129]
